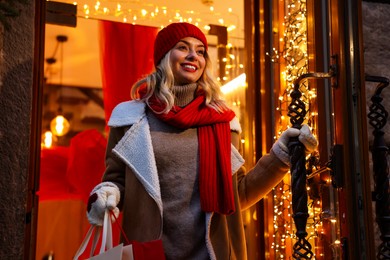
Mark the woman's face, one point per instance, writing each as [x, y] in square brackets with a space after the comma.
[187, 60]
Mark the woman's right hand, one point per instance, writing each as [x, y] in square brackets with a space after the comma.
[105, 195]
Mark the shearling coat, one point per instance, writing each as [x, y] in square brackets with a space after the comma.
[131, 166]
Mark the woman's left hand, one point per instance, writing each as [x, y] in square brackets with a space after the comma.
[305, 136]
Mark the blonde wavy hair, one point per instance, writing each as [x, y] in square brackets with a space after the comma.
[161, 81]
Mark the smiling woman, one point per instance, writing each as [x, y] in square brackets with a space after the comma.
[102, 59]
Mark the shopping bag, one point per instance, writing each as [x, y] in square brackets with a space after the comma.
[132, 250]
[150, 250]
[107, 251]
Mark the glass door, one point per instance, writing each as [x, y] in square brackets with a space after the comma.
[314, 47]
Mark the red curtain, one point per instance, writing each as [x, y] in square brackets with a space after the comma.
[126, 56]
[86, 163]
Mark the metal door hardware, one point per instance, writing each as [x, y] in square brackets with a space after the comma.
[297, 111]
[378, 118]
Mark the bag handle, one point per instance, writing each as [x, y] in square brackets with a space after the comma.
[97, 231]
[107, 233]
[120, 228]
[84, 244]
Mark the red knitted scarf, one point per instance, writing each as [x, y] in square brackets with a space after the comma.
[215, 171]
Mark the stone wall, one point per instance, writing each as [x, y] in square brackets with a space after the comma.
[16, 78]
[376, 32]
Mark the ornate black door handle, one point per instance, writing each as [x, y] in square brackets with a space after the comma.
[378, 118]
[297, 112]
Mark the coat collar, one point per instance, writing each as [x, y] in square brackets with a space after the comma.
[127, 113]
[135, 148]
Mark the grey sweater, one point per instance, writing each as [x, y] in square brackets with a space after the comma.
[176, 153]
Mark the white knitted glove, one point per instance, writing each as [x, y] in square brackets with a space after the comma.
[280, 147]
[307, 139]
[105, 195]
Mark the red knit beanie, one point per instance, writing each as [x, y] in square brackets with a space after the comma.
[168, 37]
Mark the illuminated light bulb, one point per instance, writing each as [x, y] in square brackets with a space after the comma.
[144, 12]
[59, 126]
[47, 139]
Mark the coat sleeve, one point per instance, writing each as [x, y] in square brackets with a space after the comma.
[115, 168]
[258, 181]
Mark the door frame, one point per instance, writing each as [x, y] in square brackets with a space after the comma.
[35, 131]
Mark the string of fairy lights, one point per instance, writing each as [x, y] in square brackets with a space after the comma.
[293, 51]
[147, 13]
[292, 57]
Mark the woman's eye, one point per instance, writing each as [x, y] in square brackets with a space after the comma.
[201, 52]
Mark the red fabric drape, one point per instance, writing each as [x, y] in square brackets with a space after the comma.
[126, 56]
[86, 163]
[53, 182]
